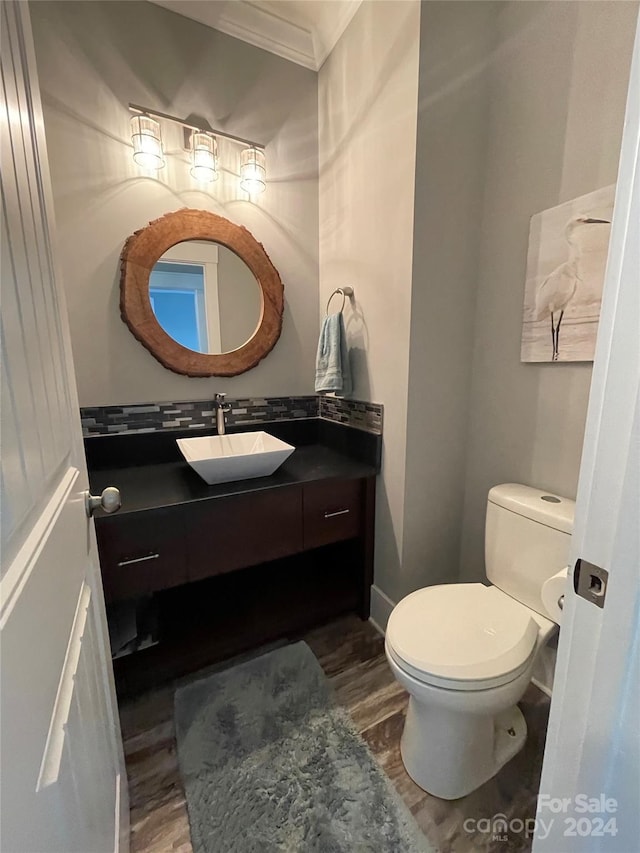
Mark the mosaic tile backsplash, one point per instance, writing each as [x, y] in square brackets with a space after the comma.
[367, 416]
[150, 417]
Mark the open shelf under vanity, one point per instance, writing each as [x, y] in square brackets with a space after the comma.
[204, 622]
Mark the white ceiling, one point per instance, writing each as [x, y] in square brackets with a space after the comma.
[303, 31]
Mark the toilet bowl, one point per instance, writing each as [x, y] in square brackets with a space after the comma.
[465, 652]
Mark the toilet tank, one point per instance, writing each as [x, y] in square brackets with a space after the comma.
[527, 536]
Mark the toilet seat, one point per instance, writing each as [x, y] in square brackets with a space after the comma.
[462, 636]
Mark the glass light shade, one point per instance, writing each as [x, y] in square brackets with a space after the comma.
[204, 152]
[253, 171]
[147, 142]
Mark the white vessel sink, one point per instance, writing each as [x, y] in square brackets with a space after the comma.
[223, 458]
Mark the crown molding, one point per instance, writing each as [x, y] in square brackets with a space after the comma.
[331, 38]
[264, 28]
[251, 24]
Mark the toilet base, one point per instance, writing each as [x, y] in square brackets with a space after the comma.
[450, 754]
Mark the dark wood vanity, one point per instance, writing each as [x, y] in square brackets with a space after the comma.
[144, 552]
[240, 564]
[196, 573]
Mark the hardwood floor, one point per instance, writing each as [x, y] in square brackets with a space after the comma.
[351, 653]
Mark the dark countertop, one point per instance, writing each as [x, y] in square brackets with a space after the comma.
[167, 484]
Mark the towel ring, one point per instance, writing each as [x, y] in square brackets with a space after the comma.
[341, 291]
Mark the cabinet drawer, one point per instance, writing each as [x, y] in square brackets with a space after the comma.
[244, 530]
[141, 553]
[332, 511]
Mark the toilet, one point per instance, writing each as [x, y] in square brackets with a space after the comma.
[465, 652]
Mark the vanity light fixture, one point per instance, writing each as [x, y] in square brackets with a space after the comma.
[253, 172]
[204, 154]
[147, 142]
[202, 144]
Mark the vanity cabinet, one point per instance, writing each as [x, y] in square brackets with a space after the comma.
[231, 571]
[243, 530]
[332, 511]
[142, 552]
[152, 550]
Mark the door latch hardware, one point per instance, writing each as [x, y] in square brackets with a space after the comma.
[590, 582]
[109, 501]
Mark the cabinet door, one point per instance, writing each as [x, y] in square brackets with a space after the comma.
[332, 511]
[244, 530]
[141, 552]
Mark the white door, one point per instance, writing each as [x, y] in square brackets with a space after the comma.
[590, 789]
[63, 786]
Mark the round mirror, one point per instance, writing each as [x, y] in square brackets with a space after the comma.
[205, 297]
[200, 293]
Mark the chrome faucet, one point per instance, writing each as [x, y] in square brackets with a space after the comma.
[221, 407]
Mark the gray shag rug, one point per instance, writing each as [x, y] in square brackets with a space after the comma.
[271, 763]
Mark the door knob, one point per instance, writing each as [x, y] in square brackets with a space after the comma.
[109, 501]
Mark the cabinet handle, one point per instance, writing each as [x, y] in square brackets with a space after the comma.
[138, 560]
[339, 512]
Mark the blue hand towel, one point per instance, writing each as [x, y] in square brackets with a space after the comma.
[333, 371]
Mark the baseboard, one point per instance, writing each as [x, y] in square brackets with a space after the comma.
[546, 690]
[544, 667]
[381, 607]
[122, 825]
[376, 626]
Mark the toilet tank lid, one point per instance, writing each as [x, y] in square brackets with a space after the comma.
[545, 507]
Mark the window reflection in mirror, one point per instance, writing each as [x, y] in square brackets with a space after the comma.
[205, 297]
[177, 298]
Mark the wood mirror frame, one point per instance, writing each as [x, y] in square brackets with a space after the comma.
[144, 249]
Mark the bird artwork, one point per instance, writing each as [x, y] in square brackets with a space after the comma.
[558, 289]
[566, 264]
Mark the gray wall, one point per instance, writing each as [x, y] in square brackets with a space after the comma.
[520, 107]
[453, 122]
[93, 59]
[368, 94]
[559, 77]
